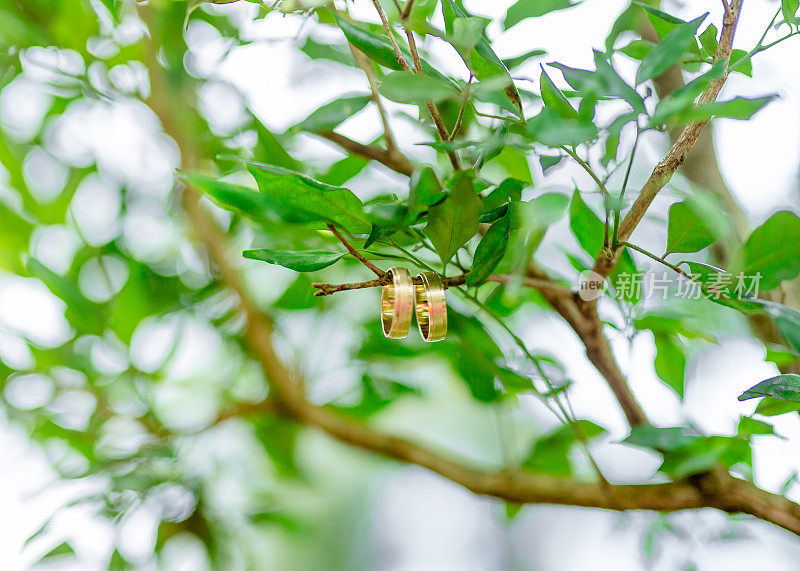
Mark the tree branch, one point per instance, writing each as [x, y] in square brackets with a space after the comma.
[454, 281]
[662, 173]
[715, 489]
[392, 159]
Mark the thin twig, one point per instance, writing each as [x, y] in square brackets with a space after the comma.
[355, 253]
[448, 282]
[366, 67]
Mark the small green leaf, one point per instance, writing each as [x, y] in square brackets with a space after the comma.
[452, 222]
[63, 549]
[708, 41]
[660, 438]
[517, 61]
[553, 130]
[771, 250]
[299, 198]
[774, 407]
[670, 361]
[374, 47]
[550, 454]
[525, 9]
[686, 231]
[668, 51]
[740, 108]
[554, 98]
[309, 261]
[637, 49]
[490, 251]
[789, 9]
[783, 387]
[404, 87]
[750, 426]
[330, 115]
[298, 296]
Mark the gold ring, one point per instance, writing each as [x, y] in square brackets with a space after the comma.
[431, 307]
[397, 301]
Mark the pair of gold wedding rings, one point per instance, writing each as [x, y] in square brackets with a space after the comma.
[402, 298]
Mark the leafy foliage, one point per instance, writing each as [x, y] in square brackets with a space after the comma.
[473, 194]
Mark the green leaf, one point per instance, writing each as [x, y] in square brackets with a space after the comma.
[452, 222]
[737, 108]
[553, 130]
[746, 67]
[674, 106]
[637, 49]
[750, 426]
[425, 190]
[236, 198]
[330, 115]
[554, 98]
[783, 387]
[309, 261]
[771, 250]
[550, 454]
[63, 549]
[374, 47]
[662, 22]
[317, 51]
[510, 190]
[773, 407]
[669, 50]
[686, 231]
[670, 362]
[705, 453]
[660, 438]
[525, 9]
[708, 41]
[477, 53]
[299, 198]
[404, 87]
[298, 296]
[490, 251]
[517, 61]
[789, 9]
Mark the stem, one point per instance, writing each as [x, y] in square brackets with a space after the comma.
[355, 253]
[615, 235]
[588, 169]
[656, 258]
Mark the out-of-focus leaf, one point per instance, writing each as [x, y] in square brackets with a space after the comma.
[553, 130]
[773, 407]
[783, 387]
[771, 250]
[740, 108]
[454, 220]
[236, 198]
[330, 115]
[517, 61]
[477, 53]
[669, 50]
[525, 9]
[550, 454]
[789, 9]
[637, 49]
[404, 87]
[686, 231]
[319, 51]
[308, 261]
[660, 438]
[670, 362]
[751, 427]
[299, 198]
[63, 549]
[298, 296]
[554, 98]
[672, 107]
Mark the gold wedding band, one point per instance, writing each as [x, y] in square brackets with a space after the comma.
[431, 307]
[397, 301]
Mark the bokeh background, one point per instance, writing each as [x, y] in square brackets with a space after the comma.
[350, 510]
